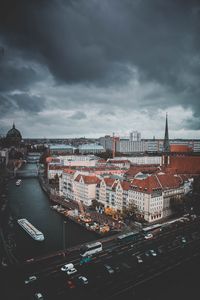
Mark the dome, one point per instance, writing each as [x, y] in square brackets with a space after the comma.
[14, 133]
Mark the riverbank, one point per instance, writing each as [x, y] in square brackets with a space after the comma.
[92, 220]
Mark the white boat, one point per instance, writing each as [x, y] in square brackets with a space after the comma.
[18, 182]
[31, 230]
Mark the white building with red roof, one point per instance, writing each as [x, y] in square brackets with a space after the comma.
[113, 193]
[85, 188]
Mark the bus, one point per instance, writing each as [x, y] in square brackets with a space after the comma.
[151, 228]
[90, 249]
[130, 236]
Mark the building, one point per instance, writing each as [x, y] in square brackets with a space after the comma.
[13, 137]
[85, 188]
[4, 155]
[66, 183]
[91, 148]
[60, 149]
[135, 136]
[113, 193]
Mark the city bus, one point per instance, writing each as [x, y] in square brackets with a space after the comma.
[130, 236]
[90, 249]
[151, 228]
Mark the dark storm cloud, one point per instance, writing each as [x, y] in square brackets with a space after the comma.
[20, 102]
[105, 43]
[89, 40]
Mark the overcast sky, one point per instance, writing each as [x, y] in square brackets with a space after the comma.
[89, 68]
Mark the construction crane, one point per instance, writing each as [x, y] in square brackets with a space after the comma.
[113, 145]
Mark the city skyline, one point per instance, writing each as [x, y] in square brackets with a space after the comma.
[92, 68]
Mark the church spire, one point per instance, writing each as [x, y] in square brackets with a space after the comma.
[166, 146]
[13, 125]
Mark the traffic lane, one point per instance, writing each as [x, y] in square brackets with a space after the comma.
[102, 277]
[116, 247]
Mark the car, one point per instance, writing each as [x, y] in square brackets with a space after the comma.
[147, 253]
[83, 280]
[39, 296]
[139, 259]
[30, 279]
[71, 271]
[148, 236]
[109, 269]
[67, 267]
[183, 240]
[152, 252]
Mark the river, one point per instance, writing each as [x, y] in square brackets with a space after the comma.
[30, 202]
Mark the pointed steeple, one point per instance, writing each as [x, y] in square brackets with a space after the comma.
[13, 125]
[166, 146]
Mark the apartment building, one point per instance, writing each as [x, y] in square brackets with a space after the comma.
[113, 193]
[85, 188]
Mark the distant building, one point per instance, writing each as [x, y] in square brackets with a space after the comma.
[91, 148]
[13, 137]
[60, 149]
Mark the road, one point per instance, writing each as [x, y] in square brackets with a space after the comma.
[175, 246]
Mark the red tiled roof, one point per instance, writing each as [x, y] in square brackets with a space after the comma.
[125, 185]
[69, 171]
[169, 181]
[184, 165]
[146, 185]
[88, 179]
[149, 184]
[109, 181]
[133, 170]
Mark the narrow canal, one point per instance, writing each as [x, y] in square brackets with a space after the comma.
[30, 202]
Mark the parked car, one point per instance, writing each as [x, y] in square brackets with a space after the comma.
[30, 279]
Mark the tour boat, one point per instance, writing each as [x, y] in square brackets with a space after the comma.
[31, 230]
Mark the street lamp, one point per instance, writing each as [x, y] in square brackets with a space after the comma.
[64, 235]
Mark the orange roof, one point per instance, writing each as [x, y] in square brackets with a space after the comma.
[69, 171]
[180, 148]
[169, 181]
[159, 182]
[88, 179]
[184, 164]
[109, 181]
[135, 169]
[125, 185]
[146, 185]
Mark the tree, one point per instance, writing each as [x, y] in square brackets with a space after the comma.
[131, 212]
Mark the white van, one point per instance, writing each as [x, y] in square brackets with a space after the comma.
[69, 268]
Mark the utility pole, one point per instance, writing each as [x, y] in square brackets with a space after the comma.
[64, 237]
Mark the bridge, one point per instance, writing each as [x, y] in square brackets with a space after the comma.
[21, 173]
[33, 157]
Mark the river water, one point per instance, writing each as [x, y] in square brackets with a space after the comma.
[30, 202]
